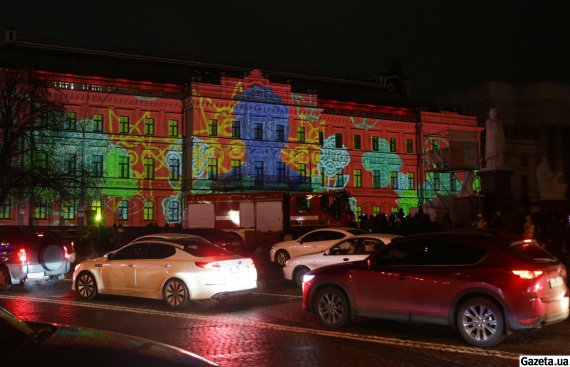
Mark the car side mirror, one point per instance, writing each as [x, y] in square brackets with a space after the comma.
[327, 252]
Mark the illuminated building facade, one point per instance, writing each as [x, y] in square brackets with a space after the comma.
[149, 143]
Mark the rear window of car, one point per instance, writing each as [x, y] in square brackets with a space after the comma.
[201, 248]
[531, 252]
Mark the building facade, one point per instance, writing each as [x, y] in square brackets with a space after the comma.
[149, 143]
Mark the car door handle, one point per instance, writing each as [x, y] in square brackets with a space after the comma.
[461, 275]
[346, 259]
[98, 265]
[165, 265]
[402, 276]
[130, 265]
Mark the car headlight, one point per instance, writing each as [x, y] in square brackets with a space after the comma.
[307, 277]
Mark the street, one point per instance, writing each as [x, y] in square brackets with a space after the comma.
[269, 328]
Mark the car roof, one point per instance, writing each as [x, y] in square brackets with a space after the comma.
[166, 236]
[484, 238]
[378, 235]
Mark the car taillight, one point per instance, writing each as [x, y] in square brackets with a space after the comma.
[66, 254]
[528, 274]
[22, 257]
[214, 265]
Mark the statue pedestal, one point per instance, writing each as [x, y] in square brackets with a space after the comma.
[496, 188]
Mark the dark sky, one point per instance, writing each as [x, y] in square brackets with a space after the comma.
[443, 45]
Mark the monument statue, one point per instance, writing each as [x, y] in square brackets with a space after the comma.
[551, 185]
[494, 142]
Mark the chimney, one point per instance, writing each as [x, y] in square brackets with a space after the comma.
[10, 36]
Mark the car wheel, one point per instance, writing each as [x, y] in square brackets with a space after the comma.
[86, 286]
[175, 293]
[5, 282]
[480, 322]
[332, 308]
[299, 274]
[281, 257]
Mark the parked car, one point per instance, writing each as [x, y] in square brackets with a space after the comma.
[229, 240]
[483, 284]
[48, 344]
[174, 267]
[30, 256]
[354, 248]
[313, 241]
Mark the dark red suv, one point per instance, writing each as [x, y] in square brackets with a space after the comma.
[482, 283]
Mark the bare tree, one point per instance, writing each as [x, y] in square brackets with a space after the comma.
[32, 130]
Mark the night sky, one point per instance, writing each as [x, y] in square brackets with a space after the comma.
[443, 45]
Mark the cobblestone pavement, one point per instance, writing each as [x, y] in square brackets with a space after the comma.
[269, 328]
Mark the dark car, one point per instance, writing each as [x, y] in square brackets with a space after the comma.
[22, 344]
[226, 239]
[483, 284]
[29, 255]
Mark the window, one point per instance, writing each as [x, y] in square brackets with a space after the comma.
[123, 210]
[303, 205]
[281, 172]
[124, 125]
[97, 166]
[410, 146]
[258, 131]
[70, 164]
[149, 126]
[213, 127]
[133, 252]
[357, 142]
[301, 134]
[68, 210]
[393, 145]
[174, 165]
[236, 129]
[375, 144]
[411, 181]
[97, 208]
[338, 140]
[321, 137]
[124, 168]
[40, 209]
[258, 172]
[71, 121]
[236, 169]
[376, 179]
[357, 178]
[40, 160]
[173, 211]
[339, 178]
[159, 251]
[436, 181]
[302, 169]
[358, 213]
[149, 168]
[394, 179]
[280, 133]
[212, 168]
[435, 145]
[452, 181]
[173, 128]
[148, 211]
[375, 210]
[6, 209]
[97, 123]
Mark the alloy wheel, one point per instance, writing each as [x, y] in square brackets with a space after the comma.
[86, 286]
[175, 293]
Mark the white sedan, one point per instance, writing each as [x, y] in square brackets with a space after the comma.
[174, 267]
[313, 241]
[354, 248]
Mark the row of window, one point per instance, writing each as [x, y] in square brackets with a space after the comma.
[69, 210]
[280, 136]
[97, 124]
[123, 166]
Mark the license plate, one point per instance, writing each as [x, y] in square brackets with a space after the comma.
[35, 275]
[555, 282]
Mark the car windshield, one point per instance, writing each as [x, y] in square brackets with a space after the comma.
[201, 248]
[532, 252]
[357, 231]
